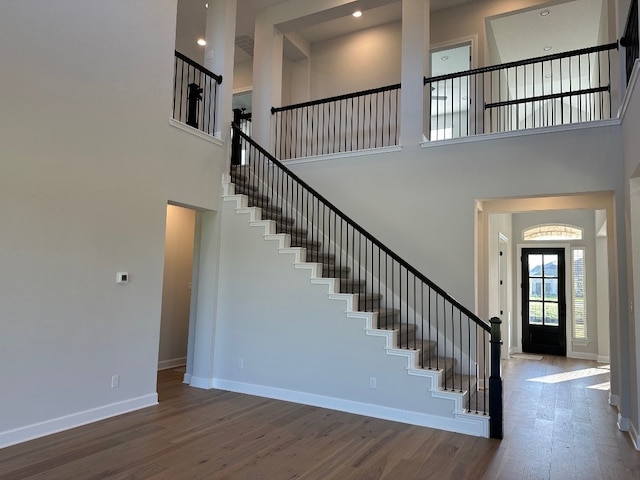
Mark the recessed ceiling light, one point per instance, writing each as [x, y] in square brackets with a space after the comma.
[544, 13]
[444, 58]
[206, 5]
[202, 42]
[547, 48]
[357, 14]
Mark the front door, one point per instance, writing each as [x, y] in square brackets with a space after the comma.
[543, 301]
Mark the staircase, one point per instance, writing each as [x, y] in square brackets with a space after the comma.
[423, 324]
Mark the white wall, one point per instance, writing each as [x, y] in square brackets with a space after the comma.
[602, 285]
[370, 58]
[191, 23]
[278, 335]
[430, 193]
[176, 286]
[500, 227]
[469, 19]
[359, 61]
[243, 76]
[87, 167]
[631, 147]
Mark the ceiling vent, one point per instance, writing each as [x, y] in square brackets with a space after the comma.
[245, 43]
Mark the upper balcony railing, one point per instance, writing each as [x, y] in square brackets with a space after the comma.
[355, 121]
[195, 95]
[630, 40]
[546, 91]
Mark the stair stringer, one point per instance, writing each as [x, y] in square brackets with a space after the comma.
[465, 365]
[456, 420]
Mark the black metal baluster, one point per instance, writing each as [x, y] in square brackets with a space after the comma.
[561, 91]
[453, 349]
[444, 312]
[460, 334]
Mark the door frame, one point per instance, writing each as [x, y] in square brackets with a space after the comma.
[567, 285]
[472, 41]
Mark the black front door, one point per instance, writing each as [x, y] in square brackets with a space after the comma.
[543, 301]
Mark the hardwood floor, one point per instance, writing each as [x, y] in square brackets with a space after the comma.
[557, 426]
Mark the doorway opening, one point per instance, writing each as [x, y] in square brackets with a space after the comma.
[590, 259]
[176, 289]
[450, 98]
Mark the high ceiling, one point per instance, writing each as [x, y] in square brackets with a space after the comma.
[376, 12]
[517, 35]
[249, 8]
[543, 30]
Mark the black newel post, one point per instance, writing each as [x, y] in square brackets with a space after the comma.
[495, 381]
[194, 95]
[235, 137]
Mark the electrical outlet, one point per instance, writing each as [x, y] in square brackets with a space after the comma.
[373, 383]
[115, 381]
[240, 363]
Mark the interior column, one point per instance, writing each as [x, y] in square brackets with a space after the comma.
[415, 64]
[267, 77]
[219, 57]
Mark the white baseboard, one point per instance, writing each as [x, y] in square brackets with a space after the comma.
[604, 359]
[624, 424]
[635, 438]
[614, 400]
[187, 378]
[172, 363]
[460, 423]
[202, 382]
[55, 425]
[583, 356]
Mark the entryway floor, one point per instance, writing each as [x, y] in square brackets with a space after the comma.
[558, 425]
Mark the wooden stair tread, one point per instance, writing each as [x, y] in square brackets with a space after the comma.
[320, 257]
[349, 285]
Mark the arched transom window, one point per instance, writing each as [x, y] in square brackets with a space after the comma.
[552, 232]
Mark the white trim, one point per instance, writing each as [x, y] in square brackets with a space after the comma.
[635, 438]
[55, 425]
[622, 112]
[614, 400]
[338, 156]
[471, 39]
[459, 423]
[198, 133]
[201, 382]
[582, 355]
[172, 363]
[521, 133]
[237, 91]
[603, 359]
[187, 378]
[624, 424]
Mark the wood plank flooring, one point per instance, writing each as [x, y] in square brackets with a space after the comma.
[558, 425]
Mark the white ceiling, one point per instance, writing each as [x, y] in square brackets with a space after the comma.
[518, 35]
[247, 10]
[525, 33]
[375, 12]
[450, 60]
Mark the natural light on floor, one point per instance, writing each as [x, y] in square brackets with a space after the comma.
[574, 375]
[606, 386]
